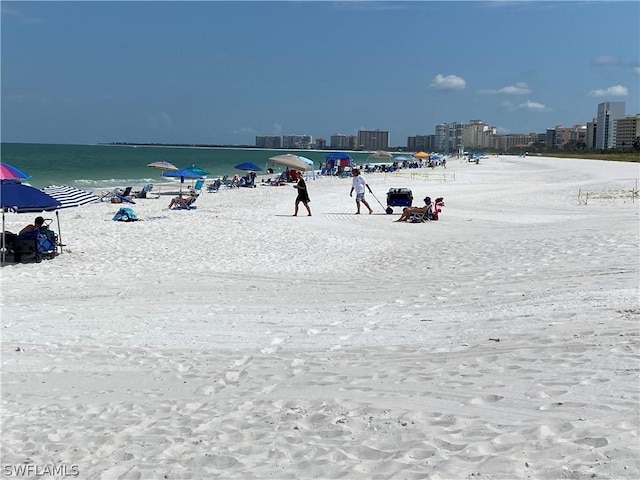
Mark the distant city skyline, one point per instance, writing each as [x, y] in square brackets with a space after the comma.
[226, 72]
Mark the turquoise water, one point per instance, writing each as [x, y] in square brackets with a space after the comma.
[107, 166]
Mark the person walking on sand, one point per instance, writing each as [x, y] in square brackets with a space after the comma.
[358, 184]
[303, 195]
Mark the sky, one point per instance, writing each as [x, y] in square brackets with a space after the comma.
[207, 72]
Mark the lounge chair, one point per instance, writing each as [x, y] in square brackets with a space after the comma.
[117, 196]
[144, 192]
[198, 186]
[215, 186]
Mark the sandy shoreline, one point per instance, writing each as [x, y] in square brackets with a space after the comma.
[234, 341]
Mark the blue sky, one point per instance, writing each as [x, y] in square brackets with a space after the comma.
[224, 72]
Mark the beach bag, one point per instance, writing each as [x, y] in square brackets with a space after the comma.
[125, 214]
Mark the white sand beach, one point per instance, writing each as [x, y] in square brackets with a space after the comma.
[235, 341]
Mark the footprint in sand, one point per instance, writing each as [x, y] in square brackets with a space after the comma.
[487, 399]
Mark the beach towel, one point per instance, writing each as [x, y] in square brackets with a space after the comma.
[125, 214]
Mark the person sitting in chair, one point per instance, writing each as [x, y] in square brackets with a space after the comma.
[10, 238]
[37, 224]
[181, 201]
[408, 211]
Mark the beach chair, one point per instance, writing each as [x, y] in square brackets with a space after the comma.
[145, 190]
[248, 181]
[39, 244]
[215, 186]
[198, 186]
[421, 217]
[432, 213]
[117, 196]
[189, 205]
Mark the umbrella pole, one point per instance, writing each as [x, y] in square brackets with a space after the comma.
[4, 240]
[59, 232]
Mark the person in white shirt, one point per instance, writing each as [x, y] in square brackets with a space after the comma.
[359, 184]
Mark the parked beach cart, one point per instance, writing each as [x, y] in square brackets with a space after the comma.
[398, 197]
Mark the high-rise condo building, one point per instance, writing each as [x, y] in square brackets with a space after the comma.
[346, 142]
[269, 141]
[373, 140]
[627, 131]
[608, 113]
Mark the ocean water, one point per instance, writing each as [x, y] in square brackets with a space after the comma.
[108, 166]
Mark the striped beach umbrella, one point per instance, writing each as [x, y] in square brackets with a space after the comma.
[162, 165]
[70, 196]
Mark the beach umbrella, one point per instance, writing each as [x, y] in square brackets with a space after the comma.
[163, 165]
[70, 196]
[248, 166]
[20, 198]
[9, 172]
[182, 174]
[291, 161]
[196, 169]
[421, 155]
[308, 161]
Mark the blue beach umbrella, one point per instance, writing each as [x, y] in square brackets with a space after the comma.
[182, 174]
[196, 169]
[20, 198]
[248, 166]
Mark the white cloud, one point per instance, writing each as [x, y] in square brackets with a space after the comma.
[614, 91]
[533, 106]
[606, 60]
[519, 88]
[277, 129]
[163, 120]
[448, 82]
[637, 70]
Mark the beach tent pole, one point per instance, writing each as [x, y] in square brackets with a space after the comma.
[59, 232]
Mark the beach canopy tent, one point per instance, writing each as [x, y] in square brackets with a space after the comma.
[19, 198]
[291, 161]
[337, 159]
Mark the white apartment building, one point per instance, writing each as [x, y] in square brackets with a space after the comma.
[608, 113]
